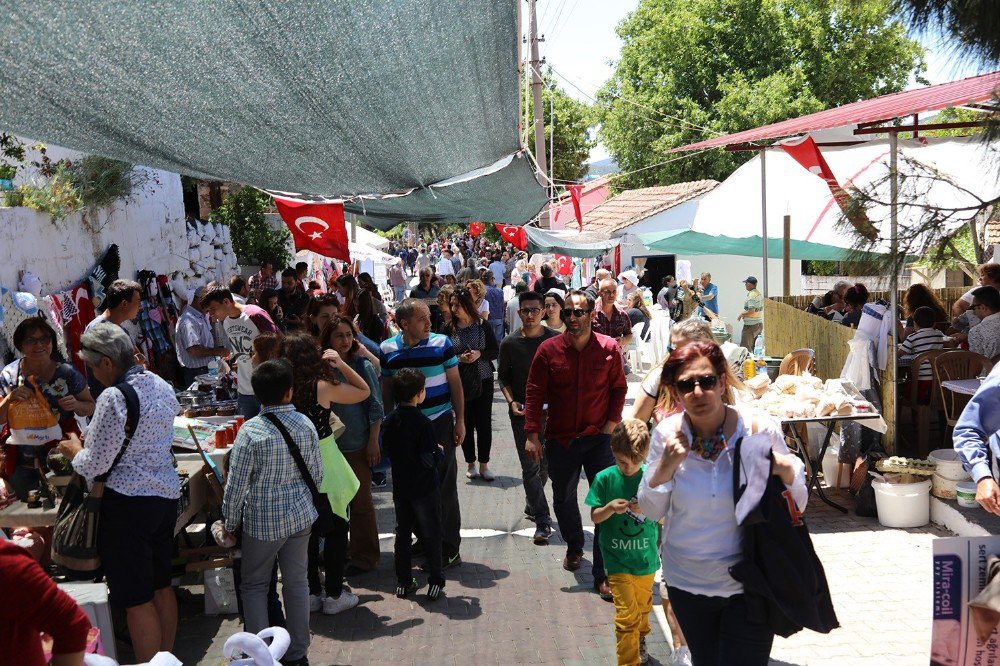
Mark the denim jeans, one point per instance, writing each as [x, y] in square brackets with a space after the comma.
[399, 292]
[591, 454]
[426, 512]
[247, 405]
[533, 474]
[718, 631]
[497, 326]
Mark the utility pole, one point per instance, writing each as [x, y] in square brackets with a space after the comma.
[536, 98]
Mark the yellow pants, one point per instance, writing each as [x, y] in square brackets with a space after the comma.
[633, 603]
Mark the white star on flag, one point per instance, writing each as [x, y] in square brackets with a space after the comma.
[316, 235]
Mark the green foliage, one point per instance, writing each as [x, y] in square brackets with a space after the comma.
[572, 122]
[14, 198]
[254, 239]
[58, 197]
[692, 69]
[819, 267]
[102, 181]
[972, 27]
[7, 171]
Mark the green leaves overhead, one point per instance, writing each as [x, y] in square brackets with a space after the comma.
[692, 69]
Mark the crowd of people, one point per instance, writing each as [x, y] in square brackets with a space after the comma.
[340, 386]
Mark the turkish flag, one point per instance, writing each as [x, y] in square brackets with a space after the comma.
[514, 235]
[806, 152]
[476, 228]
[565, 264]
[575, 192]
[319, 227]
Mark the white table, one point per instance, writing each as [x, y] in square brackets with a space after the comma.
[962, 386]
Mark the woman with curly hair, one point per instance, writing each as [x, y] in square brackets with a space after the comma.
[919, 295]
[316, 388]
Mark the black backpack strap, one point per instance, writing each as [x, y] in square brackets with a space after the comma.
[131, 422]
[737, 463]
[293, 449]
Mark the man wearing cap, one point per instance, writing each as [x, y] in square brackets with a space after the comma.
[752, 315]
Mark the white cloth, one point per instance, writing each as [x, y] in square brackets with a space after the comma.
[875, 324]
[701, 535]
[445, 267]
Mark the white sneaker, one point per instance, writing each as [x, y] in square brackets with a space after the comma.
[345, 601]
[485, 474]
[471, 473]
[315, 602]
[681, 656]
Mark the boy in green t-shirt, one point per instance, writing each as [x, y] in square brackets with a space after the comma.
[628, 539]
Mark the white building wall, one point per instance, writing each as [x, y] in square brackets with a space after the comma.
[149, 229]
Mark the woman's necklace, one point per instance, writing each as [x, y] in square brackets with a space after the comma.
[712, 447]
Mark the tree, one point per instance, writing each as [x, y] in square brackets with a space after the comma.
[254, 239]
[693, 69]
[573, 120]
[973, 26]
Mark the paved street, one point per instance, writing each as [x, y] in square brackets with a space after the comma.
[511, 602]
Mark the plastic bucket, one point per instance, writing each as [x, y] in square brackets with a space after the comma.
[830, 466]
[948, 471]
[903, 504]
[966, 494]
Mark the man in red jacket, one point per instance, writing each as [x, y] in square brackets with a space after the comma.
[580, 377]
[32, 603]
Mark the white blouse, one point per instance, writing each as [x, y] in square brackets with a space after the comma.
[147, 468]
[701, 536]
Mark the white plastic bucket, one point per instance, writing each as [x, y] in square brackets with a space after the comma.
[903, 504]
[830, 466]
[966, 494]
[948, 471]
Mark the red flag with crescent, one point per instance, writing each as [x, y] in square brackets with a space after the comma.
[319, 227]
[565, 264]
[514, 235]
[575, 192]
[805, 151]
[476, 228]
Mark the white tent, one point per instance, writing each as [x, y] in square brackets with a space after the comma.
[727, 220]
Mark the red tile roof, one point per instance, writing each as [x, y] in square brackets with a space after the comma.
[633, 206]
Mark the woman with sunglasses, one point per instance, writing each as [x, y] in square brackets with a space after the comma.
[689, 483]
[476, 347]
[553, 306]
[63, 387]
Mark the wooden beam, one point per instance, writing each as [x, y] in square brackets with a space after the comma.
[914, 128]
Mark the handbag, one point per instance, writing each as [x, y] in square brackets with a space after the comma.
[74, 537]
[784, 583]
[472, 381]
[324, 512]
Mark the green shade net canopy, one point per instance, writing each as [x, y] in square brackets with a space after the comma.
[544, 242]
[694, 243]
[332, 98]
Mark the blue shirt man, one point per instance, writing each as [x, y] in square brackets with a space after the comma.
[709, 294]
[976, 434]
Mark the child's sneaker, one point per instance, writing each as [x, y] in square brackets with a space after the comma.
[643, 654]
[434, 591]
[404, 590]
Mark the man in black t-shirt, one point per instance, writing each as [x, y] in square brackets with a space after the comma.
[516, 353]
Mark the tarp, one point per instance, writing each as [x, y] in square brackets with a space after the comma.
[566, 242]
[322, 98]
[732, 210]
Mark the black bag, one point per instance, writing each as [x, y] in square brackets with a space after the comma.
[324, 512]
[783, 580]
[74, 537]
[472, 381]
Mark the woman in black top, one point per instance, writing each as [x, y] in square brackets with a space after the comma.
[476, 347]
[315, 391]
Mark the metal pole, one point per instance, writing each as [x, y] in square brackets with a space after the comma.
[354, 228]
[894, 278]
[536, 101]
[763, 215]
[552, 149]
[786, 258]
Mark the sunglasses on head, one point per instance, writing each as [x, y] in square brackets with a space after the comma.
[707, 383]
[574, 312]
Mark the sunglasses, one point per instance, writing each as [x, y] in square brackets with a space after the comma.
[707, 383]
[574, 312]
[530, 312]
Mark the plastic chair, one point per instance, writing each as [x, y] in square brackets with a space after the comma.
[798, 362]
[921, 411]
[957, 365]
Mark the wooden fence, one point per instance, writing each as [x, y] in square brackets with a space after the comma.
[787, 328]
[947, 296]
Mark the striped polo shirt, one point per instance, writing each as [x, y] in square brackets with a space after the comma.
[918, 342]
[432, 357]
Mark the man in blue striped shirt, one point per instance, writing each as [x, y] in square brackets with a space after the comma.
[433, 355]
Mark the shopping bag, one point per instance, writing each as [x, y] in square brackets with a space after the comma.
[32, 422]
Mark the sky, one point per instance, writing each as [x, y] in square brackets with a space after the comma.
[580, 45]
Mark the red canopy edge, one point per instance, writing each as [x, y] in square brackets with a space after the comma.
[971, 90]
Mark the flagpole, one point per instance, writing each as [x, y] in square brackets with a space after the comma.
[763, 214]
